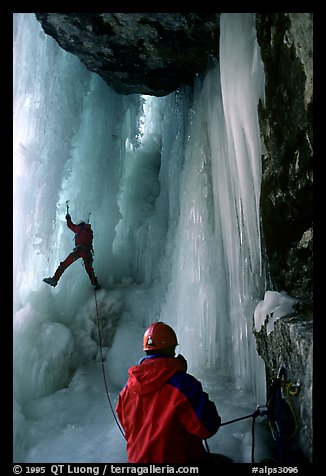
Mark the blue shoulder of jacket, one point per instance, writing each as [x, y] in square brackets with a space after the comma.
[187, 384]
[192, 390]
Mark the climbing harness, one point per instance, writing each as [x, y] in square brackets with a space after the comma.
[103, 369]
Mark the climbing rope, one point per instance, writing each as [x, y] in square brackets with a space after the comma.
[256, 413]
[281, 392]
[253, 439]
[103, 369]
[260, 411]
[289, 388]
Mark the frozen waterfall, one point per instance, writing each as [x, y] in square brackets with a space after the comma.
[171, 187]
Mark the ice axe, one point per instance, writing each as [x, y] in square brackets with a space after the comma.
[67, 207]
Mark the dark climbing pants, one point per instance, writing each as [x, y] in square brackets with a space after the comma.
[74, 256]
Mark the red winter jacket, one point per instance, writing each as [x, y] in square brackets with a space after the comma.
[83, 233]
[165, 413]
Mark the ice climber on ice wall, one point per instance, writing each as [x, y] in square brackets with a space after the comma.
[83, 249]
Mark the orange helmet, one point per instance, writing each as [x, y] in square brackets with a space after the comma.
[159, 336]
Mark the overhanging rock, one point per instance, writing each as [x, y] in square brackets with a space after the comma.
[141, 53]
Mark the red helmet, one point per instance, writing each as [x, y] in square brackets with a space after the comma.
[159, 336]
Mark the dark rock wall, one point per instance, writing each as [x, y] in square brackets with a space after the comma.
[287, 201]
[154, 53]
[286, 127]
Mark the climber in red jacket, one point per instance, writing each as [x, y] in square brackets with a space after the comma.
[163, 410]
[83, 249]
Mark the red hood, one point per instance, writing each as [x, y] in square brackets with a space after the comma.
[153, 373]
